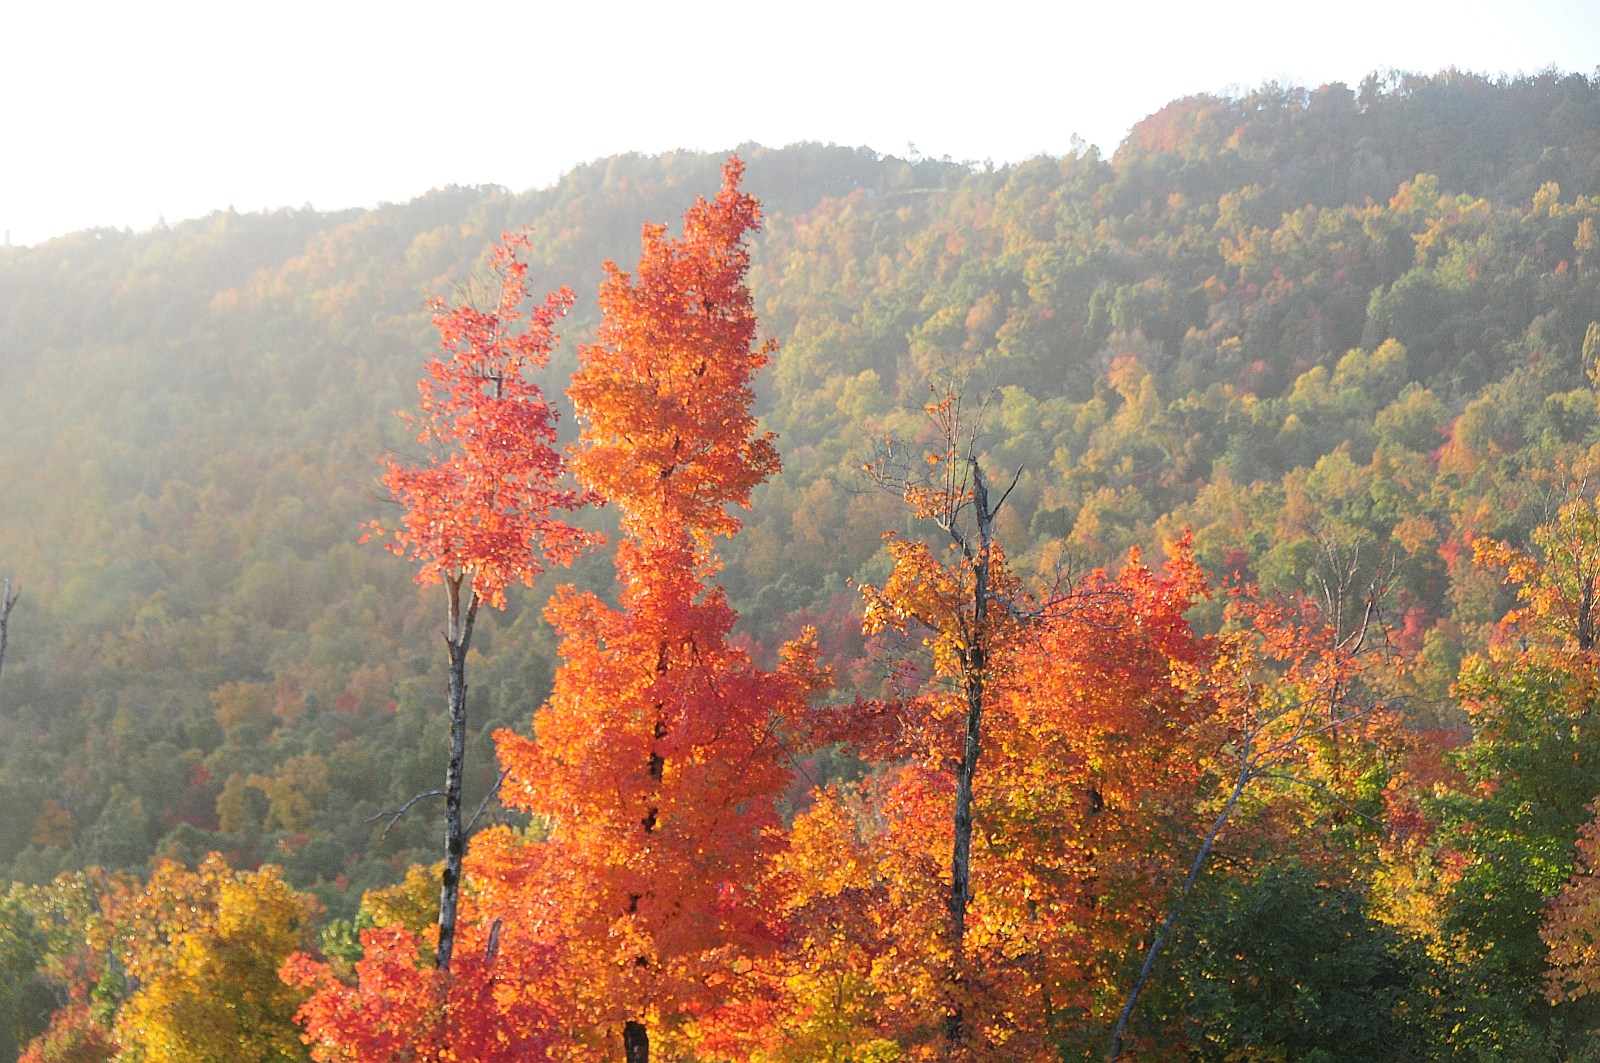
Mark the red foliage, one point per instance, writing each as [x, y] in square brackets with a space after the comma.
[73, 1037]
[400, 1011]
[663, 752]
[485, 507]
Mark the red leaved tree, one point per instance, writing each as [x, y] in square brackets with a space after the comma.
[663, 750]
[483, 511]
[398, 1012]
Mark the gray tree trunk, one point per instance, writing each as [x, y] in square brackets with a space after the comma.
[974, 666]
[458, 637]
[8, 598]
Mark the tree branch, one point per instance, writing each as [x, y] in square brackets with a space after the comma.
[396, 814]
[1324, 791]
[1015, 477]
[495, 789]
[1120, 1030]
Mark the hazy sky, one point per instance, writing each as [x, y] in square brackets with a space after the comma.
[120, 113]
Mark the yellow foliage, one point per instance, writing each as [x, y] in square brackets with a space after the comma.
[412, 903]
[233, 806]
[204, 949]
[295, 792]
[243, 703]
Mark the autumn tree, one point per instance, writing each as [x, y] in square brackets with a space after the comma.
[482, 513]
[965, 609]
[1556, 584]
[1513, 851]
[1284, 727]
[373, 998]
[1557, 579]
[85, 975]
[1571, 923]
[662, 752]
[74, 1036]
[1084, 729]
[181, 968]
[489, 1007]
[203, 949]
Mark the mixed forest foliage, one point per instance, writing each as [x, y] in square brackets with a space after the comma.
[1283, 429]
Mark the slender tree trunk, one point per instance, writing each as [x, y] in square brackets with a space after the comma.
[1176, 909]
[966, 771]
[1586, 615]
[961, 850]
[458, 637]
[8, 598]
[635, 1037]
[975, 665]
[635, 1042]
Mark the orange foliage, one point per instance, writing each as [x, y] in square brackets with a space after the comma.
[663, 750]
[1571, 925]
[54, 825]
[1557, 580]
[664, 396]
[1077, 830]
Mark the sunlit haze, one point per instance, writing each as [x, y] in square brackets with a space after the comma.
[126, 114]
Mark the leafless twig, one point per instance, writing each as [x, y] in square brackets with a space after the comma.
[495, 789]
[396, 814]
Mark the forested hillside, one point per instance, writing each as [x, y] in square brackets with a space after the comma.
[1311, 342]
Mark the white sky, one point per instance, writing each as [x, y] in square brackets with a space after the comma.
[120, 113]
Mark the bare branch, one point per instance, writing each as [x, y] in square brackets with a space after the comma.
[1015, 477]
[1325, 792]
[492, 949]
[493, 790]
[1119, 1031]
[396, 814]
[1269, 735]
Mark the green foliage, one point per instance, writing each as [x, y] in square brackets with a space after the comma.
[1283, 319]
[1535, 766]
[1286, 964]
[25, 997]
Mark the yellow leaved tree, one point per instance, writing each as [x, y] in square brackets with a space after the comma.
[203, 948]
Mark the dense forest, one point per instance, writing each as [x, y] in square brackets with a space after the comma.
[1235, 497]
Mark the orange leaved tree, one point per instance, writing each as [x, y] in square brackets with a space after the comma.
[1080, 722]
[967, 610]
[663, 750]
[482, 512]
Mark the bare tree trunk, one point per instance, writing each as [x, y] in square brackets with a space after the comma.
[961, 849]
[952, 492]
[635, 1042]
[8, 598]
[1173, 911]
[458, 637]
[974, 665]
[1585, 616]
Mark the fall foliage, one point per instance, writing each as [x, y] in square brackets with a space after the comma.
[483, 515]
[663, 751]
[1227, 676]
